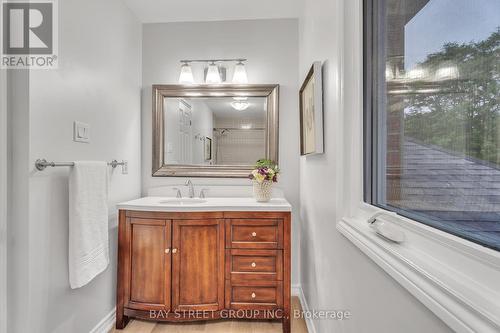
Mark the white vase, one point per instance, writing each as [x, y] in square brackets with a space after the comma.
[262, 192]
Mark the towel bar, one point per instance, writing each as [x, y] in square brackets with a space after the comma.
[41, 164]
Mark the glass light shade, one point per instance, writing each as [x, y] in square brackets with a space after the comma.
[240, 74]
[213, 75]
[240, 105]
[186, 76]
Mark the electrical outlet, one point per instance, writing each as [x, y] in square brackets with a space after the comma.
[81, 132]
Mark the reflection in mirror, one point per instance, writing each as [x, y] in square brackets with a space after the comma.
[214, 131]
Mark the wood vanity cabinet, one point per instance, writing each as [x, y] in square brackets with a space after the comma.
[203, 265]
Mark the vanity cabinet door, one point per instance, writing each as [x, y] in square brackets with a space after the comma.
[148, 266]
[198, 265]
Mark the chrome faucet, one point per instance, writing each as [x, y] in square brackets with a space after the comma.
[179, 194]
[203, 193]
[189, 183]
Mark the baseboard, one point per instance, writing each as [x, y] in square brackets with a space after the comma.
[297, 291]
[106, 324]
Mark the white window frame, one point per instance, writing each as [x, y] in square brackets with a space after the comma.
[3, 200]
[456, 279]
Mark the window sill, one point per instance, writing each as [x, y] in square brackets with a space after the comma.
[456, 279]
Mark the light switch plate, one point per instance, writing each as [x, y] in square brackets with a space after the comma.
[81, 132]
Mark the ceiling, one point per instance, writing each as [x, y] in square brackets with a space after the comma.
[221, 108]
[159, 11]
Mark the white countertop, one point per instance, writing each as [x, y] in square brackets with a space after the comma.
[154, 204]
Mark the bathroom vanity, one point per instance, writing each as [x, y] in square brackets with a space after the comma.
[203, 259]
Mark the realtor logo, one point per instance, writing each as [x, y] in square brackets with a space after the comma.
[29, 34]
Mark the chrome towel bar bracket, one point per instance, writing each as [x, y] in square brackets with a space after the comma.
[41, 164]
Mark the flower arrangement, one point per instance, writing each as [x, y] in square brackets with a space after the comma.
[265, 170]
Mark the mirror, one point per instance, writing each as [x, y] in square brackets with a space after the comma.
[213, 130]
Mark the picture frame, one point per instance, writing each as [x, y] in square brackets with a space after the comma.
[311, 112]
[208, 149]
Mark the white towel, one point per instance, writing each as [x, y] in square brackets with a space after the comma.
[88, 222]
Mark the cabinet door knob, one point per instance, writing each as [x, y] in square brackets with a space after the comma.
[254, 264]
[254, 234]
[174, 251]
[253, 295]
[167, 251]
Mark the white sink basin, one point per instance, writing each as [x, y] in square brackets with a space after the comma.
[212, 204]
[181, 202]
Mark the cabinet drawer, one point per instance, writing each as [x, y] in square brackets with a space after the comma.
[259, 296]
[254, 234]
[254, 265]
[254, 294]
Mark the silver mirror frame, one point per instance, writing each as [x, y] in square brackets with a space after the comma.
[160, 92]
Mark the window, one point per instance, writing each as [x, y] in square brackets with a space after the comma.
[432, 113]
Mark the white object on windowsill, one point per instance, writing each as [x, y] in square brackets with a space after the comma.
[385, 229]
[388, 231]
[454, 278]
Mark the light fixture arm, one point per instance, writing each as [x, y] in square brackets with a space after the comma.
[187, 61]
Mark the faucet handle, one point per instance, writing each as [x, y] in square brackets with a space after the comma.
[179, 194]
[203, 193]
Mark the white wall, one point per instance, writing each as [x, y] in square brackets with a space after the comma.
[98, 82]
[334, 273]
[17, 197]
[271, 47]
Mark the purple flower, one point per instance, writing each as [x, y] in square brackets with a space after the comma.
[265, 170]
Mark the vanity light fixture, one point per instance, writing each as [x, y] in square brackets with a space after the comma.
[240, 105]
[215, 73]
[186, 76]
[240, 74]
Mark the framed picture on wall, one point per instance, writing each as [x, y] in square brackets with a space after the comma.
[311, 112]
[208, 148]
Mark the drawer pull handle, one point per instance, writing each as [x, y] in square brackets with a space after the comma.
[253, 295]
[174, 251]
[254, 234]
[167, 251]
[254, 265]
